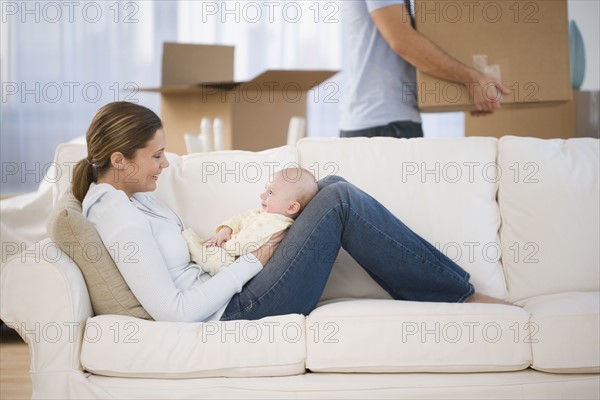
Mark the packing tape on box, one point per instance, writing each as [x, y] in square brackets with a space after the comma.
[481, 65]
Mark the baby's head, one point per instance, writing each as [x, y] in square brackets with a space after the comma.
[289, 192]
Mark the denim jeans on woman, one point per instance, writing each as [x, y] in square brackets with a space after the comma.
[403, 263]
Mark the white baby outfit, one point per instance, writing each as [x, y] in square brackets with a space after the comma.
[251, 230]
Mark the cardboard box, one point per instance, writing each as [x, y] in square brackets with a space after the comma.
[198, 81]
[523, 42]
[576, 118]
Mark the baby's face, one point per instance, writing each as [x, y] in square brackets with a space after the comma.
[278, 195]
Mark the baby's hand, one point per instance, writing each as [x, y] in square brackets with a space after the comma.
[220, 238]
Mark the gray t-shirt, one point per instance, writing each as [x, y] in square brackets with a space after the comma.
[381, 85]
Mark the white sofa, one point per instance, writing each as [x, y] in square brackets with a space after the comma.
[520, 214]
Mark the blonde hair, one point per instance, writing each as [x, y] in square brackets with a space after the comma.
[117, 127]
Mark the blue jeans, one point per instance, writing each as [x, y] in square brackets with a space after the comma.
[398, 129]
[341, 215]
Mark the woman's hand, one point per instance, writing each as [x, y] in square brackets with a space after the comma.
[266, 251]
[220, 238]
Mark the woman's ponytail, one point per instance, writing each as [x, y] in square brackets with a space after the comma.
[83, 177]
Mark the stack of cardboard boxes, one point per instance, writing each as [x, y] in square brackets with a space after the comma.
[525, 44]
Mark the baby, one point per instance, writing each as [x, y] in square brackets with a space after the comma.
[284, 198]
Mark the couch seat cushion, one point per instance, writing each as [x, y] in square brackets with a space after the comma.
[129, 347]
[399, 336]
[565, 332]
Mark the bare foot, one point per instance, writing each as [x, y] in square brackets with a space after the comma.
[483, 298]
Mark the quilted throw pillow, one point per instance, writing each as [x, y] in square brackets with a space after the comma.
[77, 237]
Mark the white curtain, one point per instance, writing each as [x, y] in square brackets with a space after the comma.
[61, 61]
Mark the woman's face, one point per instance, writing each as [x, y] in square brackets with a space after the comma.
[141, 172]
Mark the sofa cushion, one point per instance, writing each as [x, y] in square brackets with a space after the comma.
[203, 188]
[76, 236]
[443, 189]
[565, 332]
[399, 336]
[60, 172]
[548, 196]
[206, 189]
[129, 347]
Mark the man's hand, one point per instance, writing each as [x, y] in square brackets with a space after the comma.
[487, 93]
[393, 22]
[266, 251]
[220, 238]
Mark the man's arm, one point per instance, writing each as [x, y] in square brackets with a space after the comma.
[393, 23]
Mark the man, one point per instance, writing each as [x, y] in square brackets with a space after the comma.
[384, 51]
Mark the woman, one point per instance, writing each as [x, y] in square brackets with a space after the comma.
[126, 154]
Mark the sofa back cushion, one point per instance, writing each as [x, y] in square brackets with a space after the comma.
[60, 172]
[203, 188]
[206, 189]
[548, 197]
[443, 189]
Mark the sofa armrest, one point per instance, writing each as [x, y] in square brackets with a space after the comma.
[43, 297]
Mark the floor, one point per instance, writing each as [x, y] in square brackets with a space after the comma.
[15, 382]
